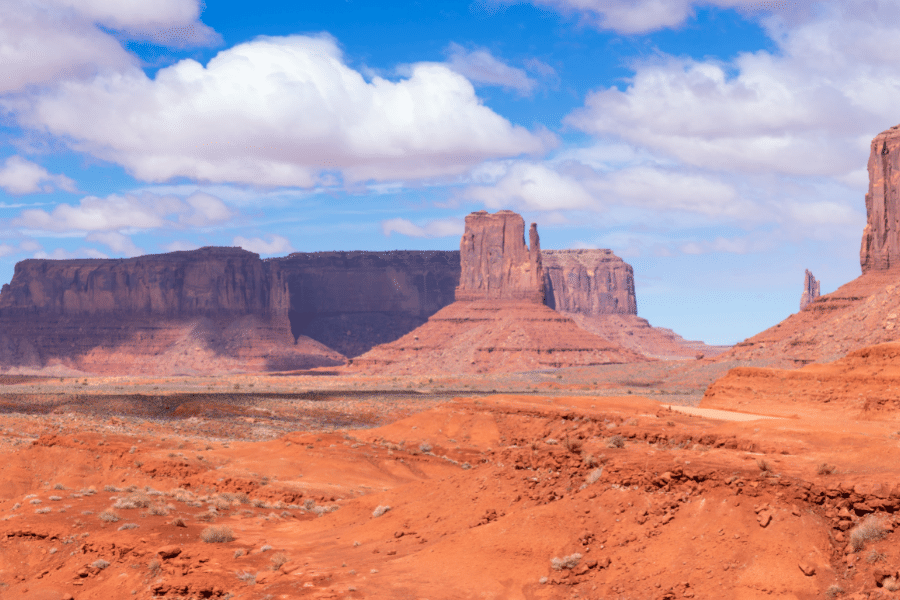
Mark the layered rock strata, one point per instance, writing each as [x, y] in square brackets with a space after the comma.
[588, 282]
[880, 248]
[205, 310]
[495, 263]
[810, 290]
[498, 322]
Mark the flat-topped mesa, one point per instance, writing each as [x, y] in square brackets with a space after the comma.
[588, 282]
[810, 290]
[880, 248]
[495, 262]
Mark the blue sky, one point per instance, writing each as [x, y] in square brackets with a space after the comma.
[719, 147]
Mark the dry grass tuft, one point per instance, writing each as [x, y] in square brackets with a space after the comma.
[825, 469]
[108, 516]
[216, 534]
[869, 529]
[566, 562]
[278, 560]
[616, 441]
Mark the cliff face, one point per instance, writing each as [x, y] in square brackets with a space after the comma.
[496, 263]
[810, 290]
[589, 282]
[205, 282]
[352, 301]
[880, 248]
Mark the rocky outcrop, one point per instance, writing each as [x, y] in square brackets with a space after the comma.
[495, 262]
[206, 310]
[353, 301]
[588, 282]
[810, 290]
[880, 248]
[498, 322]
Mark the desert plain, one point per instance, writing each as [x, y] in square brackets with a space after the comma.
[209, 425]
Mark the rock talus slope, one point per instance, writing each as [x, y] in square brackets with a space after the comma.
[499, 321]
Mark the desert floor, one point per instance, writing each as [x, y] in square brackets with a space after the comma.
[600, 482]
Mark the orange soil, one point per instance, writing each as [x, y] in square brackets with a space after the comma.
[485, 491]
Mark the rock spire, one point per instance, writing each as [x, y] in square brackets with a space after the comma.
[810, 290]
[880, 248]
[496, 264]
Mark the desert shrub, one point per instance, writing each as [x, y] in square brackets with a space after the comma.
[133, 500]
[425, 447]
[158, 510]
[16, 506]
[42, 511]
[35, 501]
[265, 548]
[551, 441]
[573, 445]
[59, 486]
[108, 516]
[128, 526]
[278, 560]
[763, 465]
[217, 534]
[154, 566]
[566, 562]
[833, 591]
[100, 563]
[589, 460]
[247, 577]
[380, 510]
[90, 491]
[111, 488]
[309, 503]
[616, 441]
[869, 529]
[239, 553]
[55, 498]
[874, 556]
[825, 469]
[179, 522]
[465, 466]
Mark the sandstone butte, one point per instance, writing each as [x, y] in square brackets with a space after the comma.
[216, 310]
[861, 313]
[499, 321]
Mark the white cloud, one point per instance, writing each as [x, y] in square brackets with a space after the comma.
[279, 112]
[120, 244]
[127, 212]
[275, 245]
[21, 176]
[62, 254]
[480, 66]
[433, 229]
[45, 41]
[6, 249]
[529, 186]
[180, 245]
[808, 109]
[644, 16]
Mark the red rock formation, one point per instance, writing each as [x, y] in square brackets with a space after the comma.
[588, 282]
[880, 248]
[353, 301]
[206, 310]
[810, 290]
[495, 262]
[499, 321]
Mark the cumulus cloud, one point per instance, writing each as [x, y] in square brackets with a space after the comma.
[63, 254]
[530, 186]
[480, 66]
[120, 244]
[276, 244]
[127, 212]
[44, 41]
[643, 16]
[21, 176]
[432, 229]
[808, 109]
[279, 112]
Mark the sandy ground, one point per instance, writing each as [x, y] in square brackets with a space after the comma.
[603, 482]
